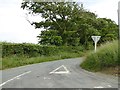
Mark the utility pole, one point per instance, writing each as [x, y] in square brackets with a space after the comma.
[119, 17]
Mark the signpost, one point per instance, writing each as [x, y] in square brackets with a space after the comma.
[95, 39]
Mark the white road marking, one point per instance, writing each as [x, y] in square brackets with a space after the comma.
[46, 78]
[18, 78]
[14, 78]
[60, 72]
[98, 87]
[109, 86]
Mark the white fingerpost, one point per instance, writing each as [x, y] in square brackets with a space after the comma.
[95, 39]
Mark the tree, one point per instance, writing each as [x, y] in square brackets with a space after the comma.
[50, 37]
[108, 29]
[58, 16]
[66, 23]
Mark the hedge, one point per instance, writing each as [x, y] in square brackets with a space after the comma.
[33, 50]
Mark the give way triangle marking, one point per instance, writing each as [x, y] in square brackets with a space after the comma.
[60, 70]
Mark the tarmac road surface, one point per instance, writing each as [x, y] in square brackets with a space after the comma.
[56, 74]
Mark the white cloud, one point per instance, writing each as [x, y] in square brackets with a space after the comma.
[106, 8]
[13, 25]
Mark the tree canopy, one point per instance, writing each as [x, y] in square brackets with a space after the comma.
[67, 23]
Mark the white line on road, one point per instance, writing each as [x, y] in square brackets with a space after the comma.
[109, 86]
[60, 72]
[46, 78]
[14, 78]
[98, 87]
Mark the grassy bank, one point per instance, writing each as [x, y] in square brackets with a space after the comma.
[104, 60]
[15, 61]
[15, 55]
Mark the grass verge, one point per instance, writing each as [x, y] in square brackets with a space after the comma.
[104, 60]
[16, 61]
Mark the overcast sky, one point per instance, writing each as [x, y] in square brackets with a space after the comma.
[15, 28]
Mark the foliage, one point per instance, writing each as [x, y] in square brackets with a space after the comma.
[33, 50]
[108, 29]
[50, 38]
[30, 50]
[105, 57]
[14, 55]
[16, 61]
[66, 23]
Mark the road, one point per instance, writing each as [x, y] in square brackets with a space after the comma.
[48, 75]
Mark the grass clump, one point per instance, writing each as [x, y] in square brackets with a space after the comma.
[105, 57]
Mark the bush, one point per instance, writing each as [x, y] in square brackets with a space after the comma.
[30, 50]
[33, 50]
[106, 56]
[14, 55]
